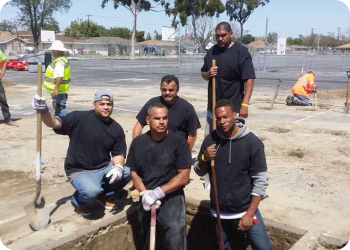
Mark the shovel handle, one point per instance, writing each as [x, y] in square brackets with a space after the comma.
[38, 137]
[152, 243]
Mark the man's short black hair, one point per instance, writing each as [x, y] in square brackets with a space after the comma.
[224, 103]
[169, 78]
[223, 26]
[155, 105]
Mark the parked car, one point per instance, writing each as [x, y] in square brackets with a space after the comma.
[16, 64]
[153, 51]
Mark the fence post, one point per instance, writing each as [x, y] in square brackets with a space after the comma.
[148, 64]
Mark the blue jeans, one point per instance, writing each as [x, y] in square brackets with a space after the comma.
[301, 100]
[90, 185]
[59, 104]
[257, 234]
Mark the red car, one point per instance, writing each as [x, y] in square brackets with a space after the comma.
[16, 64]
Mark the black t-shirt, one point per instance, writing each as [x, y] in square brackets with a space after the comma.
[235, 162]
[157, 162]
[182, 118]
[235, 66]
[92, 141]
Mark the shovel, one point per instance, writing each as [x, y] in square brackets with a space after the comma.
[152, 243]
[37, 214]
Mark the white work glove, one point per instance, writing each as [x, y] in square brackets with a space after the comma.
[150, 197]
[39, 104]
[115, 174]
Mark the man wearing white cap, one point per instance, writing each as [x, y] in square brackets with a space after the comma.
[57, 78]
[95, 158]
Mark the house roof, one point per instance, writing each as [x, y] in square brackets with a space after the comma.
[67, 39]
[298, 46]
[157, 42]
[344, 46]
[5, 33]
[6, 39]
[257, 43]
[108, 40]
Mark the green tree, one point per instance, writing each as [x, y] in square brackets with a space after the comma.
[246, 39]
[6, 25]
[120, 32]
[52, 24]
[140, 36]
[272, 38]
[87, 29]
[240, 10]
[135, 7]
[193, 9]
[38, 12]
[157, 36]
[148, 36]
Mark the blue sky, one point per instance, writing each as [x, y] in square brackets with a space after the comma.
[286, 17]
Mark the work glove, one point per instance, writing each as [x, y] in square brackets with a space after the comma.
[150, 197]
[115, 174]
[39, 104]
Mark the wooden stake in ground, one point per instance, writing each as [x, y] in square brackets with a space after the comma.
[275, 94]
[346, 104]
[212, 165]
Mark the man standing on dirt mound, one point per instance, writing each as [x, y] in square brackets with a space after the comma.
[57, 78]
[4, 106]
[241, 176]
[95, 158]
[301, 90]
[160, 163]
[234, 73]
[183, 119]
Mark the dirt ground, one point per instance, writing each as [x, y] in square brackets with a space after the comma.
[307, 149]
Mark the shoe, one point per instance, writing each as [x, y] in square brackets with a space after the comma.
[289, 100]
[11, 123]
[106, 203]
[83, 211]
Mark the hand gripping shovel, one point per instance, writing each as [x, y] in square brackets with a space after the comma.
[152, 243]
[37, 214]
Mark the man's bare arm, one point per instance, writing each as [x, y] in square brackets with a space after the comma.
[178, 181]
[4, 67]
[137, 130]
[191, 138]
[249, 85]
[212, 72]
[119, 159]
[137, 181]
[50, 121]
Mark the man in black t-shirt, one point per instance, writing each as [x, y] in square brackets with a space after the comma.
[234, 72]
[160, 163]
[183, 119]
[241, 177]
[96, 153]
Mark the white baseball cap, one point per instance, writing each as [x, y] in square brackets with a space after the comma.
[58, 46]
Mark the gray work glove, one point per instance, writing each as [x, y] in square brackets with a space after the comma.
[115, 174]
[39, 104]
[150, 197]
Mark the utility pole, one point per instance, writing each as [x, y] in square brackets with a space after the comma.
[338, 33]
[88, 19]
[312, 38]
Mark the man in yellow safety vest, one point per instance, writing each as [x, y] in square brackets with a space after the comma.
[57, 78]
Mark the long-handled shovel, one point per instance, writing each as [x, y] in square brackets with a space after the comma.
[212, 165]
[152, 242]
[37, 214]
[346, 104]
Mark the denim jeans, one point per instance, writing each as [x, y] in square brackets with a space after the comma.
[3, 103]
[301, 100]
[257, 234]
[171, 224]
[59, 104]
[90, 185]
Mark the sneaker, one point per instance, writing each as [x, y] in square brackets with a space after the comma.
[11, 123]
[106, 203]
[83, 211]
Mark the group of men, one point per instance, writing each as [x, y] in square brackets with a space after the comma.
[159, 161]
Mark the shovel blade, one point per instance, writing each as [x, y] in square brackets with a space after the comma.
[37, 214]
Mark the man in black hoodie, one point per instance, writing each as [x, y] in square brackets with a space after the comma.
[241, 173]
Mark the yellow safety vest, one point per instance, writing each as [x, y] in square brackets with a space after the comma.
[50, 81]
